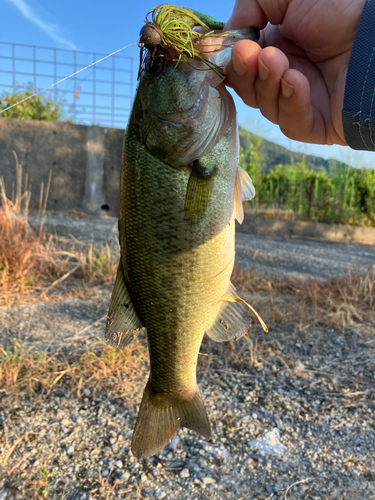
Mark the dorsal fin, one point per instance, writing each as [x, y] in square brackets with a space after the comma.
[123, 323]
[243, 191]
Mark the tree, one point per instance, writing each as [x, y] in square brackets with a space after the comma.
[35, 108]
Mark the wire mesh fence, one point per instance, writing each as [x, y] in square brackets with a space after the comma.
[100, 95]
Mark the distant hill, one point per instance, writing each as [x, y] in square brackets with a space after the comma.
[272, 154]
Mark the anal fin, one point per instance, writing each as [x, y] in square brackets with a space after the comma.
[123, 323]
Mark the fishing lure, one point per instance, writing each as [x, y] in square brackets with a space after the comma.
[180, 29]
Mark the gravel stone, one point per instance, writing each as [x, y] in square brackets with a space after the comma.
[174, 443]
[125, 476]
[184, 473]
[70, 450]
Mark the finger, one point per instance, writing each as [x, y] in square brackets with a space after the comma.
[243, 69]
[272, 64]
[298, 118]
[246, 13]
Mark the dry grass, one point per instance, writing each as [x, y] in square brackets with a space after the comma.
[34, 265]
[335, 303]
[23, 251]
[99, 367]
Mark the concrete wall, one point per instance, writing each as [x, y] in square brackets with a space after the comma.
[85, 162]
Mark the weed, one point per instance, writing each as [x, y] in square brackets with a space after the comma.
[44, 477]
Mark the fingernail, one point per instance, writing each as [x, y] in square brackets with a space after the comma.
[238, 64]
[286, 89]
[263, 71]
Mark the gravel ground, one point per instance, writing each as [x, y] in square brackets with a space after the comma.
[301, 258]
[296, 423]
[80, 226]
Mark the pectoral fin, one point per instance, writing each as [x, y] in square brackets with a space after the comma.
[233, 319]
[123, 323]
[243, 191]
[198, 191]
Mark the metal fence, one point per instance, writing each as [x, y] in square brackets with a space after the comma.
[100, 95]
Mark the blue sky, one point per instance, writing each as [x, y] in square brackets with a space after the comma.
[103, 27]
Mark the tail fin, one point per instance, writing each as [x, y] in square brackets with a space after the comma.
[159, 419]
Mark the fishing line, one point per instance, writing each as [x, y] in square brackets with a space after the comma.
[66, 78]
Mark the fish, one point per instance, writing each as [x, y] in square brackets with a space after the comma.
[181, 190]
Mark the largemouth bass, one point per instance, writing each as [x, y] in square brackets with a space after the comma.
[181, 190]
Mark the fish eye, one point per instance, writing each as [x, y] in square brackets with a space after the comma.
[154, 66]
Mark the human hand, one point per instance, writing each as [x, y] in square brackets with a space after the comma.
[296, 75]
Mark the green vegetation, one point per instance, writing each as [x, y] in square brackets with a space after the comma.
[36, 108]
[332, 192]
